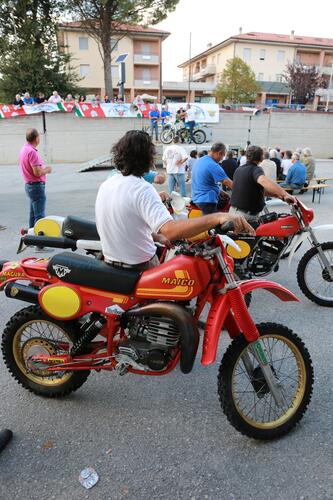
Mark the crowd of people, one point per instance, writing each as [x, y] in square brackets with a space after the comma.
[27, 100]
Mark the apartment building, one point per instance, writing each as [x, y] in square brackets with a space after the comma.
[267, 54]
[143, 64]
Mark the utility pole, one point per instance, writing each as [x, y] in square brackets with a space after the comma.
[189, 71]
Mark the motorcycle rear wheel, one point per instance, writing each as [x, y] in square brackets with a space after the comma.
[313, 278]
[253, 411]
[199, 136]
[30, 332]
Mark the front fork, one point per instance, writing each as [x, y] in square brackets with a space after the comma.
[321, 253]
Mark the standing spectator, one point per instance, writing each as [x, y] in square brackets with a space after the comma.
[180, 115]
[34, 172]
[40, 98]
[154, 117]
[310, 163]
[107, 99]
[274, 156]
[165, 115]
[69, 98]
[190, 120]
[202, 153]
[174, 158]
[96, 99]
[206, 176]
[27, 99]
[190, 163]
[229, 165]
[241, 158]
[55, 98]
[18, 101]
[82, 98]
[138, 100]
[286, 163]
[296, 176]
[268, 167]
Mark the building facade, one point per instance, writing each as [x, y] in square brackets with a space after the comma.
[143, 65]
[267, 54]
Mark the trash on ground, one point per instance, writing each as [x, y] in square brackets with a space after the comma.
[88, 477]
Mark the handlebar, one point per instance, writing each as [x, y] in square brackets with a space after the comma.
[225, 228]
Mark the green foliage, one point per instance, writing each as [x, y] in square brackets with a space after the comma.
[30, 57]
[238, 83]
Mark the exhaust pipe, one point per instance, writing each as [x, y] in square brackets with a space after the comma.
[22, 292]
[189, 334]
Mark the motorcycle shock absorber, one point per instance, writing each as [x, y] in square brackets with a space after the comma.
[91, 329]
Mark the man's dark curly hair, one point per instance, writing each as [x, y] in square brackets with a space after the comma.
[134, 153]
[254, 154]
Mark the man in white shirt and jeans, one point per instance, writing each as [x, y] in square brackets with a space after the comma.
[174, 158]
[130, 215]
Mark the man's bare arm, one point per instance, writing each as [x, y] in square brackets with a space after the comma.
[273, 189]
[38, 170]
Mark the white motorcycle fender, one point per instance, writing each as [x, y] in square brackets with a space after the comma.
[303, 236]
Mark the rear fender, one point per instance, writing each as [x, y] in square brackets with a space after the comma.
[303, 236]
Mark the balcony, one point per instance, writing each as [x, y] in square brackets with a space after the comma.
[143, 84]
[146, 59]
[209, 70]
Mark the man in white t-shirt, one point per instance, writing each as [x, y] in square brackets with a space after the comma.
[286, 163]
[55, 98]
[130, 215]
[174, 158]
[190, 120]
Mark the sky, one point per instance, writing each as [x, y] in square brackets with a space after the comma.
[211, 21]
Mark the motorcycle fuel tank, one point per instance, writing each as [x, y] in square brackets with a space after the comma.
[283, 226]
[180, 278]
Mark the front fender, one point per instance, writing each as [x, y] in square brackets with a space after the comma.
[278, 290]
[219, 315]
[303, 236]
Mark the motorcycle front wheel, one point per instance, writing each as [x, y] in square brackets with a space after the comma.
[247, 401]
[313, 276]
[30, 332]
[167, 136]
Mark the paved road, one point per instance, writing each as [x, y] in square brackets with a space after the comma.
[168, 436]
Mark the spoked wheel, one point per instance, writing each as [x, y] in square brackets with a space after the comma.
[167, 136]
[247, 401]
[199, 136]
[313, 276]
[29, 333]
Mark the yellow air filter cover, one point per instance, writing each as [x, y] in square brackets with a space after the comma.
[48, 227]
[60, 301]
[245, 250]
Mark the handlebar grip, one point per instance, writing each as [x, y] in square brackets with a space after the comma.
[45, 241]
[225, 228]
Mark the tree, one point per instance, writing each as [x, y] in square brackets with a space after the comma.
[30, 56]
[237, 83]
[102, 18]
[303, 81]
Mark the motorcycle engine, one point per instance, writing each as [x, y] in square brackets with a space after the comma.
[151, 342]
[265, 255]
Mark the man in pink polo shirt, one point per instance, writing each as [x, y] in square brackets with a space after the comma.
[34, 172]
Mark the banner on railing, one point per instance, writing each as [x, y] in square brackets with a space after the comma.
[10, 111]
[204, 112]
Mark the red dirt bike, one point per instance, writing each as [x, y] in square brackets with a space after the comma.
[87, 315]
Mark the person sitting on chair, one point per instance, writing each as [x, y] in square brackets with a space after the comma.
[296, 176]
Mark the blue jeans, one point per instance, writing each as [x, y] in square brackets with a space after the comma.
[292, 185]
[207, 208]
[179, 179]
[154, 127]
[36, 193]
[191, 125]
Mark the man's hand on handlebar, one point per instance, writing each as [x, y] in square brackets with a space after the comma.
[289, 199]
[240, 223]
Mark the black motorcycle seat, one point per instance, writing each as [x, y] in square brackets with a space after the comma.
[93, 273]
[77, 228]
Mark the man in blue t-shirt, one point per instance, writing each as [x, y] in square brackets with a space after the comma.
[165, 115]
[296, 175]
[206, 176]
[154, 117]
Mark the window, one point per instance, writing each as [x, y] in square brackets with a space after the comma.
[262, 54]
[247, 54]
[83, 43]
[114, 44]
[280, 55]
[278, 78]
[213, 60]
[145, 47]
[84, 70]
[218, 58]
[146, 75]
[260, 77]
